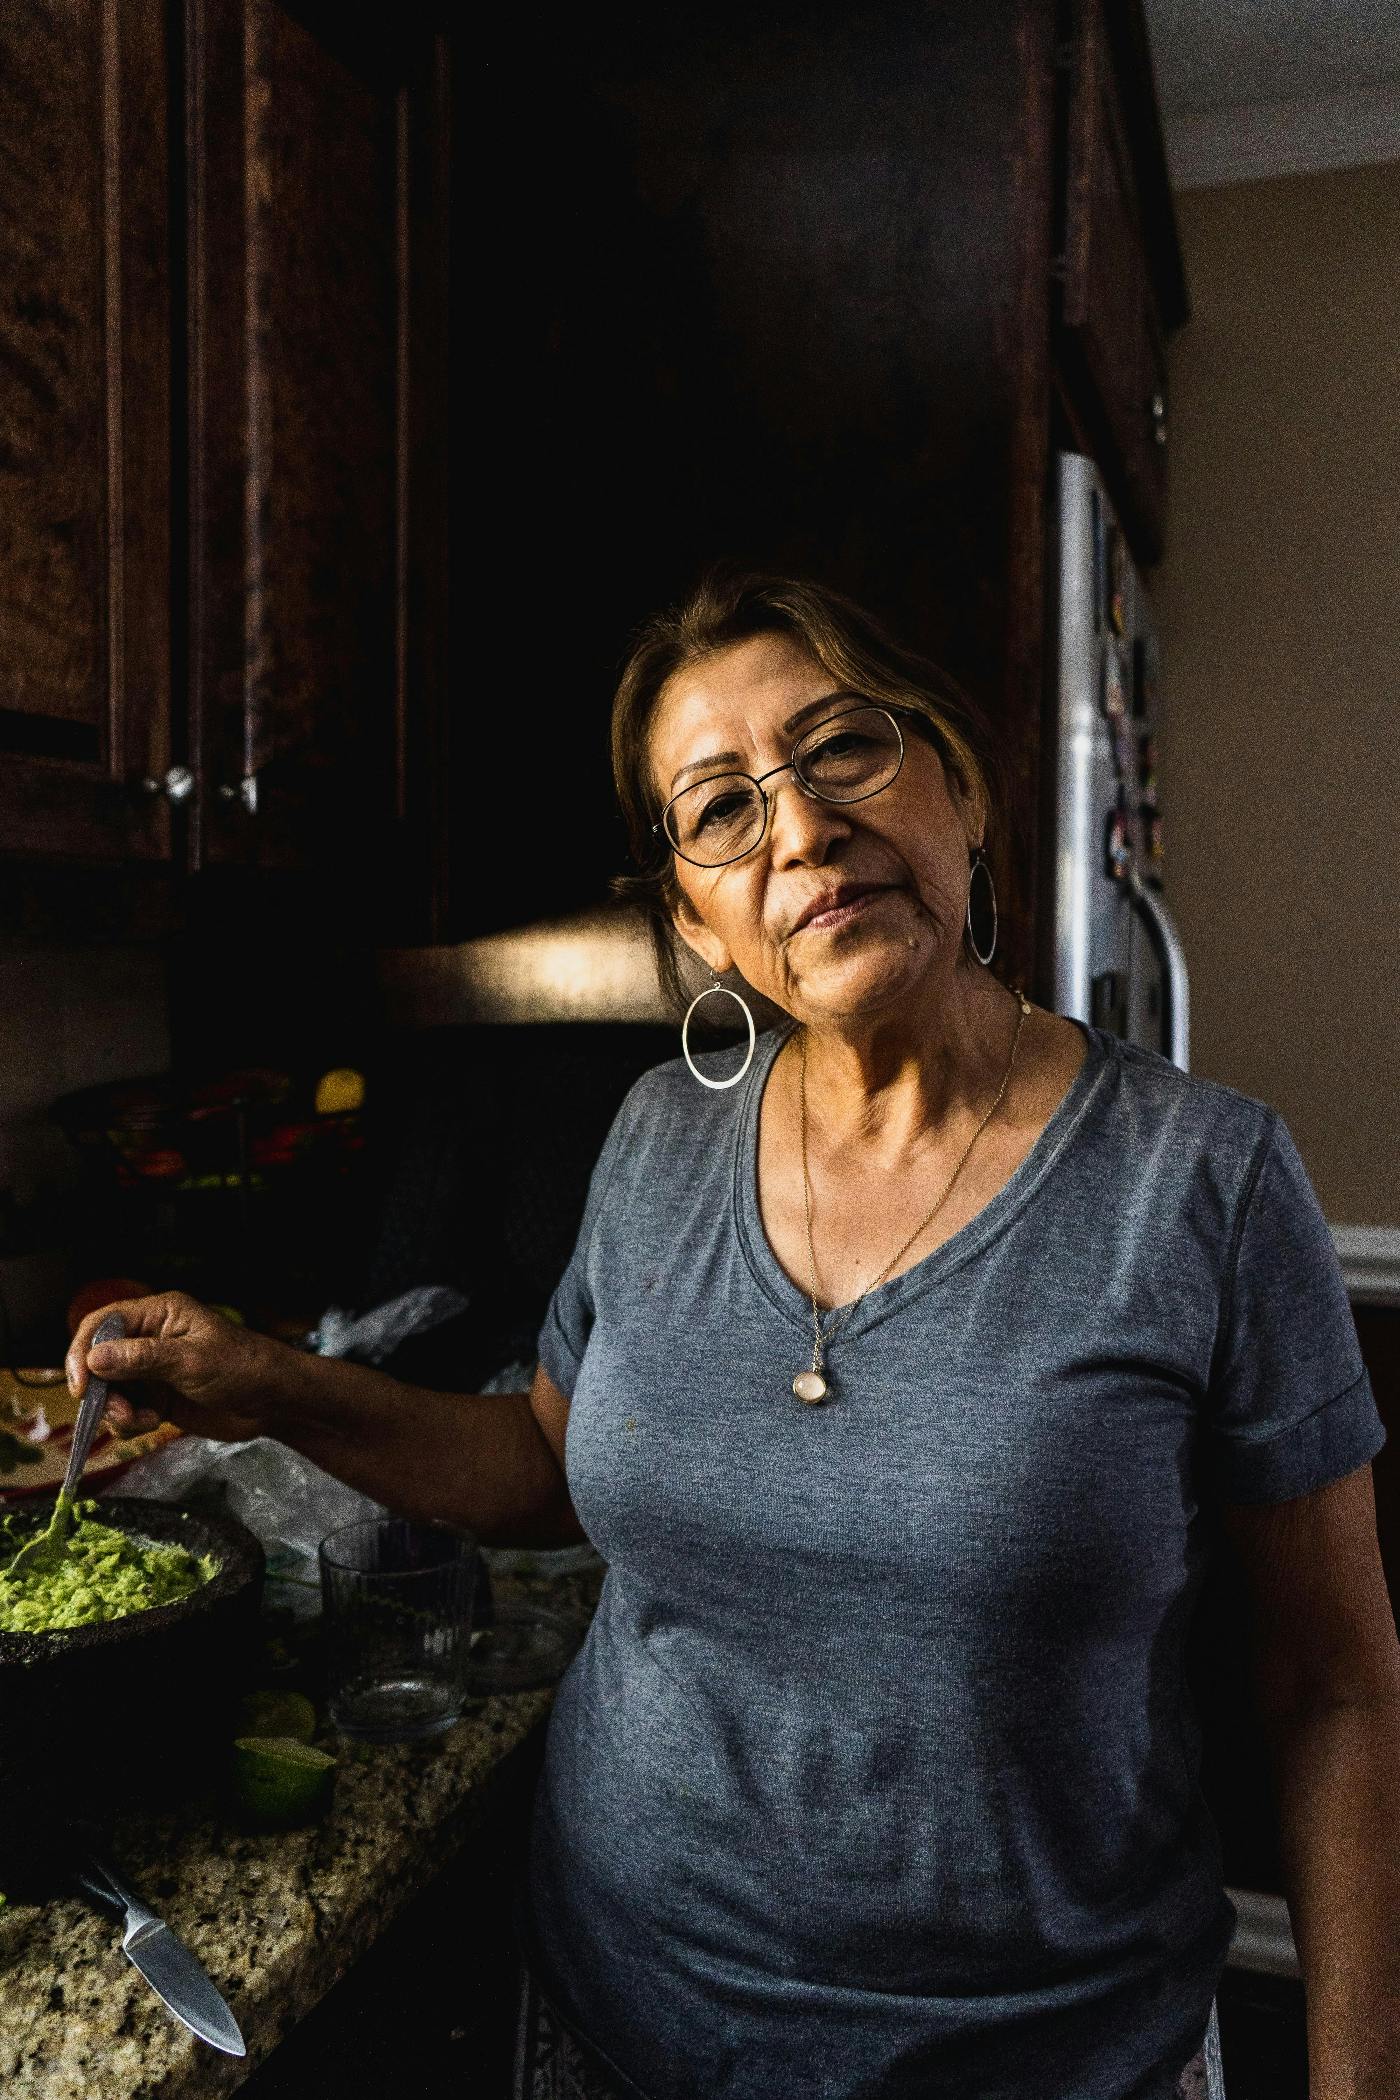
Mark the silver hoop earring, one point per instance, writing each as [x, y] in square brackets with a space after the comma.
[685, 1035]
[979, 862]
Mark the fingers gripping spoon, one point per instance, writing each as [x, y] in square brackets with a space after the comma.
[49, 1548]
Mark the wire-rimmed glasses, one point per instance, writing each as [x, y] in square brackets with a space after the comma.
[848, 756]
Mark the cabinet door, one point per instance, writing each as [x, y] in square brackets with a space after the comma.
[1113, 339]
[84, 431]
[313, 149]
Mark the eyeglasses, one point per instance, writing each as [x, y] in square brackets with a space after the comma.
[847, 757]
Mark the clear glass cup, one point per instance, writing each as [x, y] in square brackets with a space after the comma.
[397, 1598]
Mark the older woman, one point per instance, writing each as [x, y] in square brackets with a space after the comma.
[897, 1365]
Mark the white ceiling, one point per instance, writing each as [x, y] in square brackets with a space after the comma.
[1218, 54]
[1252, 88]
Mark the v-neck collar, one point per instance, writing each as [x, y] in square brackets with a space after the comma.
[993, 1218]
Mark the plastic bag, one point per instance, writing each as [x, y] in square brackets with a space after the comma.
[369, 1337]
[286, 1500]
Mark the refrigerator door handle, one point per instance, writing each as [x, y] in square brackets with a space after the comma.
[1167, 942]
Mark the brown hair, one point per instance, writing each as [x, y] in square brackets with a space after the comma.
[732, 605]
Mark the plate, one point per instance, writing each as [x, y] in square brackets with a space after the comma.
[525, 1649]
[23, 1394]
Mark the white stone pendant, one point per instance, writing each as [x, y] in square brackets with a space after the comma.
[809, 1386]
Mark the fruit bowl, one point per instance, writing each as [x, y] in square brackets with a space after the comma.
[178, 1135]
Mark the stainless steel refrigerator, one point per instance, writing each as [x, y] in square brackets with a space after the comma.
[1118, 961]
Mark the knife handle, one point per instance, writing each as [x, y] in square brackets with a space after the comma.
[95, 1885]
[98, 1881]
[113, 1329]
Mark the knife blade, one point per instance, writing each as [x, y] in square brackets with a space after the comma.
[177, 1979]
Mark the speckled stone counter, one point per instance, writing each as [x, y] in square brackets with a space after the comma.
[275, 1919]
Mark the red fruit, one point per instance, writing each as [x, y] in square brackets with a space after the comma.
[163, 1163]
[106, 1290]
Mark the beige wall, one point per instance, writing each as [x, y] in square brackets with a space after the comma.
[1279, 612]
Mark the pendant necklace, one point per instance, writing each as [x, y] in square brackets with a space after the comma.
[811, 1385]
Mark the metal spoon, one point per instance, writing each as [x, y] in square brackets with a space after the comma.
[48, 1549]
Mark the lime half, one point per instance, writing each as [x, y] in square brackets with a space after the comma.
[278, 1713]
[280, 1781]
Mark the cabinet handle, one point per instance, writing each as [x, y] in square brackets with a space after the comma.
[1159, 419]
[177, 784]
[244, 791]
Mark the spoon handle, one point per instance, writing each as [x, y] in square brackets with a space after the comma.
[90, 1413]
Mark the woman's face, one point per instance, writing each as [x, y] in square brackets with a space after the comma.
[906, 847]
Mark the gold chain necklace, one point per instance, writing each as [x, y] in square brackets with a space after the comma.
[811, 1385]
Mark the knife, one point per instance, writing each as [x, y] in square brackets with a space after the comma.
[165, 1961]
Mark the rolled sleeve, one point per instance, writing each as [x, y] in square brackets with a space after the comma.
[1290, 1406]
[567, 1325]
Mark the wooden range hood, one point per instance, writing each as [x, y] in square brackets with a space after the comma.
[592, 965]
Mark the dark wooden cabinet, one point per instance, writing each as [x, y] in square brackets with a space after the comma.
[1122, 290]
[224, 524]
[84, 433]
[773, 305]
[779, 285]
[316, 265]
[814, 286]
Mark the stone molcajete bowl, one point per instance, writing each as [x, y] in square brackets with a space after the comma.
[130, 1712]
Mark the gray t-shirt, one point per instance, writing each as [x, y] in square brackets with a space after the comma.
[876, 1776]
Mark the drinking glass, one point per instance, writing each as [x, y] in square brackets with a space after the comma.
[397, 1599]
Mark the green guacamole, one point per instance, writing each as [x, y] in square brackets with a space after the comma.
[105, 1574]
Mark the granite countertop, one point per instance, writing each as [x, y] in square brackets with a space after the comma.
[275, 1919]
